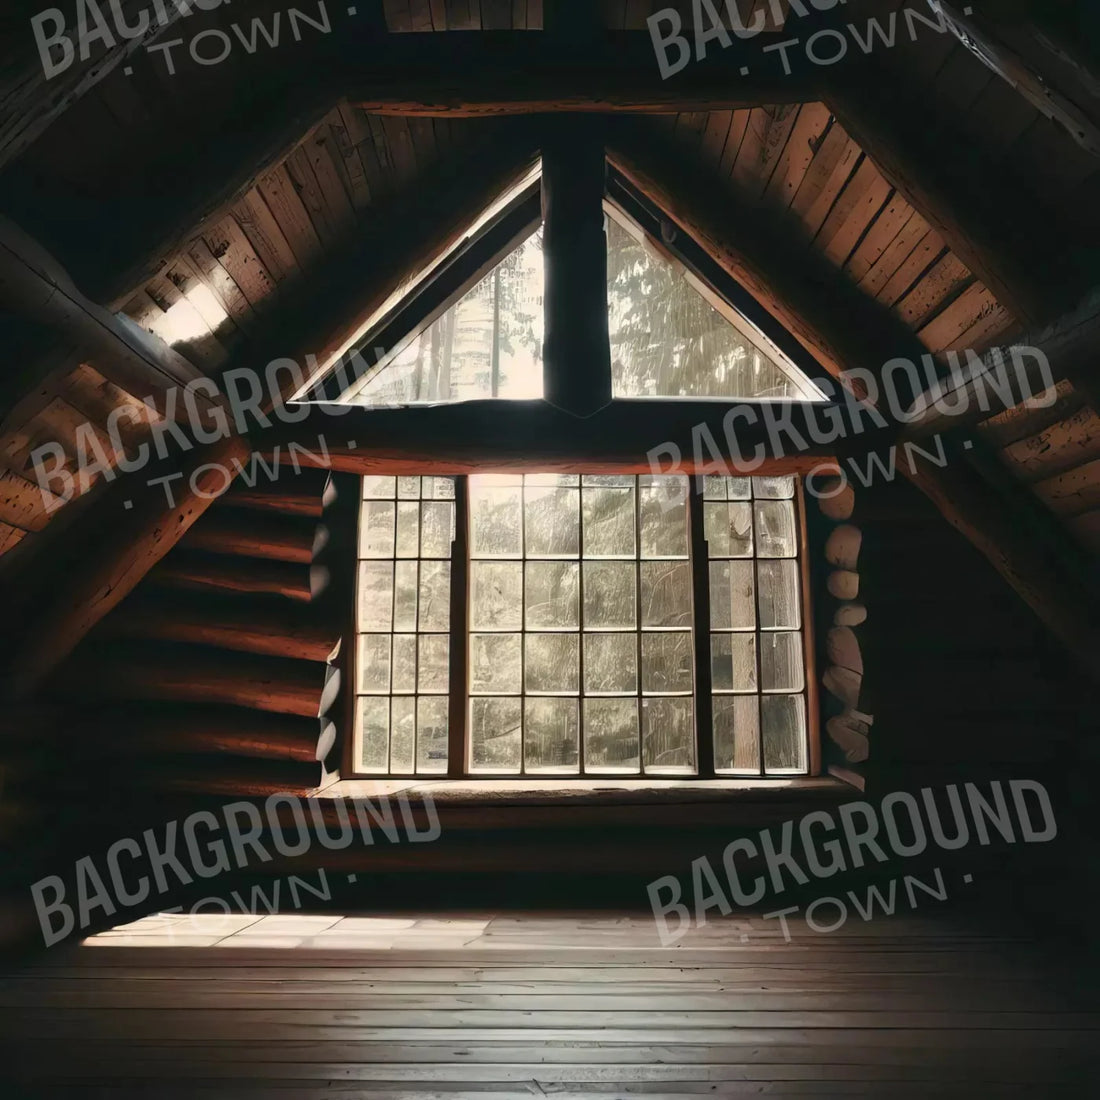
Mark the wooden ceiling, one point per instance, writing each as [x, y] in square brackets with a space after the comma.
[148, 224]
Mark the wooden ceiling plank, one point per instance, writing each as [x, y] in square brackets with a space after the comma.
[829, 173]
[220, 283]
[882, 233]
[944, 176]
[867, 203]
[278, 192]
[231, 249]
[739, 123]
[1057, 448]
[805, 141]
[257, 221]
[895, 254]
[929, 251]
[965, 314]
[715, 134]
[346, 125]
[9, 537]
[322, 217]
[942, 283]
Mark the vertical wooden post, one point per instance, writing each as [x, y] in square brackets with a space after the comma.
[700, 573]
[576, 350]
[458, 714]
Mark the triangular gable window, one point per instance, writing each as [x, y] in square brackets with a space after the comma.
[672, 336]
[487, 344]
[471, 328]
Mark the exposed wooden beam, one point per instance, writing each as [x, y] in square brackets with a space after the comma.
[483, 73]
[1068, 349]
[1003, 522]
[31, 98]
[1010, 52]
[536, 436]
[989, 220]
[576, 348]
[34, 284]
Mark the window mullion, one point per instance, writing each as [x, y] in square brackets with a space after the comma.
[700, 591]
[459, 680]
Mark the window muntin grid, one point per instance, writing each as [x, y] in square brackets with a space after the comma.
[580, 625]
[557, 569]
[402, 681]
[757, 668]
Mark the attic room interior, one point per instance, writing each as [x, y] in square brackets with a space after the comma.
[549, 547]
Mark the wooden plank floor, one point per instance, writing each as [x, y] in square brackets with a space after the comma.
[565, 1005]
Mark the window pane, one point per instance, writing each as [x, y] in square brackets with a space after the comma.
[404, 664]
[783, 718]
[496, 514]
[780, 606]
[374, 732]
[610, 596]
[610, 664]
[551, 734]
[406, 588]
[666, 594]
[494, 663]
[376, 529]
[775, 530]
[733, 662]
[402, 734]
[666, 662]
[381, 487]
[495, 588]
[671, 336]
[737, 734]
[611, 734]
[668, 735]
[731, 587]
[433, 671]
[551, 522]
[437, 529]
[550, 663]
[431, 733]
[551, 595]
[495, 734]
[374, 663]
[376, 595]
[608, 523]
[487, 344]
[773, 488]
[408, 529]
[435, 595]
[781, 662]
[664, 522]
[727, 528]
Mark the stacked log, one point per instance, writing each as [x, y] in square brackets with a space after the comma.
[848, 725]
[217, 675]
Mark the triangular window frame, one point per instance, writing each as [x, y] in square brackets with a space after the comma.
[506, 225]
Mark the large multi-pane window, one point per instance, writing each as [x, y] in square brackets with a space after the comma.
[571, 624]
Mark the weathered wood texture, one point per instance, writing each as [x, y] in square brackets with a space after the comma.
[498, 1004]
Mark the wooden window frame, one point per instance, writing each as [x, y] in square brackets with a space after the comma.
[458, 757]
